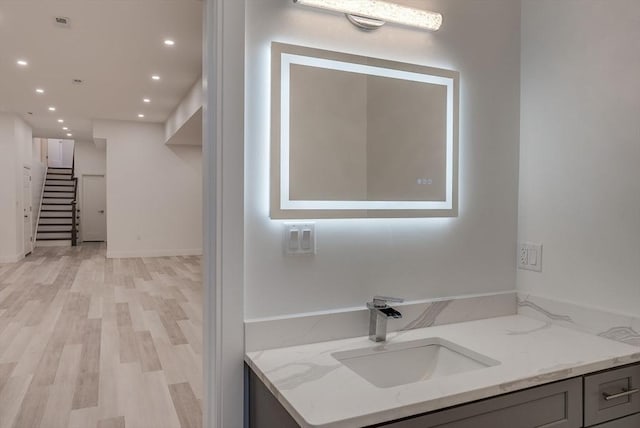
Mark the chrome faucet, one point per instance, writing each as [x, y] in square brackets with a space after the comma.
[379, 312]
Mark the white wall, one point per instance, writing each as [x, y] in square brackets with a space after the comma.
[154, 192]
[60, 153]
[89, 160]
[38, 170]
[8, 198]
[24, 139]
[410, 258]
[15, 154]
[580, 151]
[177, 128]
[37, 183]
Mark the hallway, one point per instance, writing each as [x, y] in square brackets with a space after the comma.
[87, 341]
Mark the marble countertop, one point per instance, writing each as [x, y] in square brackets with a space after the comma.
[318, 391]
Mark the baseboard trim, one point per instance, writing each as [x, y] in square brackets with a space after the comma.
[152, 253]
[11, 259]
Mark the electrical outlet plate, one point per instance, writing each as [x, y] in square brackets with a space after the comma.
[299, 238]
[530, 256]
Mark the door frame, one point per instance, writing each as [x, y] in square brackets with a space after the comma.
[82, 202]
[223, 170]
[28, 203]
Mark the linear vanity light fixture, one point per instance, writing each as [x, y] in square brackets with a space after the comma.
[373, 14]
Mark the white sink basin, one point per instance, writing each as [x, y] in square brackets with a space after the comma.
[388, 365]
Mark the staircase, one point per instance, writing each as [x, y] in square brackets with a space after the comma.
[58, 221]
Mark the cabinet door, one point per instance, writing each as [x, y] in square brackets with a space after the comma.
[558, 405]
[611, 395]
[628, 422]
[264, 409]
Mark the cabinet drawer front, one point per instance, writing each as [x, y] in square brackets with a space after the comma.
[611, 395]
[628, 422]
[558, 405]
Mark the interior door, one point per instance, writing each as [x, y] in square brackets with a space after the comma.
[94, 208]
[27, 210]
[54, 153]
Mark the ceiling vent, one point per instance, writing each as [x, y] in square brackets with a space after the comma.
[76, 81]
[63, 21]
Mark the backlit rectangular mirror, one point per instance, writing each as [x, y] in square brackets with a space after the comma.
[353, 136]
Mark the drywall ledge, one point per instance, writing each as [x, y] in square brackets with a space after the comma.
[190, 133]
[184, 126]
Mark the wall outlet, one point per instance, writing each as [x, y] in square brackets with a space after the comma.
[299, 238]
[530, 256]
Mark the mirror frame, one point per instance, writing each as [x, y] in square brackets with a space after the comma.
[282, 54]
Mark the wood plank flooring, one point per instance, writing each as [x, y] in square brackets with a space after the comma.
[89, 342]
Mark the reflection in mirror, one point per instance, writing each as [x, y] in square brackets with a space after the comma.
[359, 137]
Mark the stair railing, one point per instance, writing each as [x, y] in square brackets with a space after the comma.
[74, 220]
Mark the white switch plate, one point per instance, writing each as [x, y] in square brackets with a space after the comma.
[530, 256]
[299, 238]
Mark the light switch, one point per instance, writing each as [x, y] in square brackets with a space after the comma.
[299, 238]
[305, 243]
[294, 239]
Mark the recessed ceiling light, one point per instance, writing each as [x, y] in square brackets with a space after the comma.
[22, 62]
[60, 120]
[52, 109]
[69, 134]
[40, 90]
[146, 100]
[64, 128]
[155, 77]
[169, 42]
[141, 115]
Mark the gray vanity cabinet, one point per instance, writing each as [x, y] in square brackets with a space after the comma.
[608, 399]
[628, 422]
[558, 405]
[611, 395]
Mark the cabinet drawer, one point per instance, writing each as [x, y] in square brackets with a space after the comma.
[611, 395]
[558, 405]
[628, 422]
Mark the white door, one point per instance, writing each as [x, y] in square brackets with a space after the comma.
[54, 153]
[93, 217]
[27, 210]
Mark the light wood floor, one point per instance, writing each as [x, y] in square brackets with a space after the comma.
[89, 342]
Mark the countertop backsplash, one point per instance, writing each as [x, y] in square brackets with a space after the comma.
[620, 327]
[302, 329]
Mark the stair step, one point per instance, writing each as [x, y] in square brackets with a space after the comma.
[49, 236]
[53, 243]
[56, 208]
[57, 222]
[46, 228]
[60, 183]
[59, 195]
[50, 188]
[56, 168]
[57, 201]
[55, 214]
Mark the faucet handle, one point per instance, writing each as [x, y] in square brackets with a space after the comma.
[381, 301]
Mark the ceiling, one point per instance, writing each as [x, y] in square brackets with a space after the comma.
[114, 46]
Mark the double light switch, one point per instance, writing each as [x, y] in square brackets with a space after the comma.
[299, 238]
